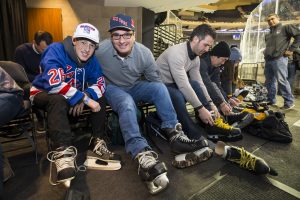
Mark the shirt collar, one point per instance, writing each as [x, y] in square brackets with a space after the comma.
[191, 54]
[34, 49]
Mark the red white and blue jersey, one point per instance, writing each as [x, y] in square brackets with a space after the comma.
[62, 75]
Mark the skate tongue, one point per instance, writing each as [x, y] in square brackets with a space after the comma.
[220, 148]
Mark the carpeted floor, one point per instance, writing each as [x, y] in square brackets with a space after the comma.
[213, 179]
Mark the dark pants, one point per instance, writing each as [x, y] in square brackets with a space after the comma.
[58, 118]
[191, 129]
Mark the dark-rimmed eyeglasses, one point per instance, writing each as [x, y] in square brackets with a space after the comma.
[117, 36]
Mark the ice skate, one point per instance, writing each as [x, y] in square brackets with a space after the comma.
[152, 171]
[244, 159]
[99, 157]
[223, 131]
[189, 159]
[180, 143]
[239, 120]
[64, 160]
[241, 94]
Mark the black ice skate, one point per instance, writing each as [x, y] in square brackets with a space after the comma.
[180, 143]
[99, 157]
[152, 171]
[244, 159]
[223, 131]
[240, 120]
[64, 159]
[189, 159]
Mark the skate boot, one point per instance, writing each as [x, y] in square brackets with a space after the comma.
[99, 157]
[244, 159]
[180, 143]
[241, 94]
[152, 171]
[223, 131]
[240, 120]
[189, 159]
[64, 160]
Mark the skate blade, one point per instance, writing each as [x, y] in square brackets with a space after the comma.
[190, 159]
[97, 164]
[67, 183]
[159, 184]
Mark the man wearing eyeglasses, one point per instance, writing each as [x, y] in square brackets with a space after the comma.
[125, 62]
[72, 79]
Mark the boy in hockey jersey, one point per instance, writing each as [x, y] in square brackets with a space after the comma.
[72, 79]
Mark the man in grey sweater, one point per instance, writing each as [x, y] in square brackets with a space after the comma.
[132, 76]
[180, 69]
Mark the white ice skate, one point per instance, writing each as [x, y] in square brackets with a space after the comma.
[64, 160]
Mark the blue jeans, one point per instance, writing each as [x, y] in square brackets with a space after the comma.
[291, 73]
[123, 101]
[11, 105]
[276, 70]
[191, 129]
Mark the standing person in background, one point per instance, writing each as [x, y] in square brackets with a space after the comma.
[72, 79]
[276, 61]
[29, 54]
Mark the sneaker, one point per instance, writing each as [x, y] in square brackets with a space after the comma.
[152, 171]
[64, 160]
[99, 157]
[286, 107]
[180, 143]
[189, 159]
[240, 120]
[244, 159]
[223, 131]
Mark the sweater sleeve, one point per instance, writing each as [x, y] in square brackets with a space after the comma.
[151, 72]
[180, 77]
[194, 74]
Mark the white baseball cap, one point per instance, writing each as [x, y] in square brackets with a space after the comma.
[86, 30]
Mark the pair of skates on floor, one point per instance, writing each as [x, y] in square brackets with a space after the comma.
[151, 170]
[64, 159]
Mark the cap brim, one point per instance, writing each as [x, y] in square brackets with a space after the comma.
[120, 27]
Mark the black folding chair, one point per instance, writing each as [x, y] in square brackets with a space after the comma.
[21, 127]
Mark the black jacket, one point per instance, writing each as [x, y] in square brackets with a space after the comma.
[211, 79]
[278, 40]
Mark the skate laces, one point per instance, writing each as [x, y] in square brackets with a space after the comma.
[101, 148]
[180, 135]
[62, 162]
[247, 159]
[219, 123]
[147, 159]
